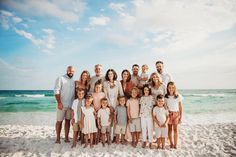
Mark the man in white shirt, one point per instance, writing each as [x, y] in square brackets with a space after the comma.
[64, 91]
[94, 79]
[166, 78]
[135, 78]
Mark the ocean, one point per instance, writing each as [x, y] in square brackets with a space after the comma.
[195, 101]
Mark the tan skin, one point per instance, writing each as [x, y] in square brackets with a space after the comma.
[159, 68]
[156, 81]
[161, 140]
[173, 128]
[122, 103]
[104, 106]
[135, 135]
[88, 103]
[80, 95]
[70, 72]
[98, 71]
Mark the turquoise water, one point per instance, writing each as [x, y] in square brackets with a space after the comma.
[195, 101]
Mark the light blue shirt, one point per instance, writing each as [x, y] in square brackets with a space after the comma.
[65, 86]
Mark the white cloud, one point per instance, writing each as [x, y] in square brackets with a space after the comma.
[118, 7]
[99, 21]
[7, 19]
[65, 10]
[16, 19]
[47, 42]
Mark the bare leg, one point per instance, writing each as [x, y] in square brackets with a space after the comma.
[137, 138]
[117, 138]
[133, 138]
[91, 140]
[67, 129]
[108, 138]
[75, 137]
[159, 143]
[123, 139]
[103, 140]
[170, 135]
[98, 135]
[82, 137]
[163, 142]
[175, 135]
[86, 140]
[58, 131]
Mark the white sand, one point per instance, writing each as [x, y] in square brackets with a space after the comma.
[38, 140]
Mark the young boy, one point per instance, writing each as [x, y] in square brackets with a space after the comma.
[160, 116]
[76, 115]
[104, 121]
[120, 120]
[133, 116]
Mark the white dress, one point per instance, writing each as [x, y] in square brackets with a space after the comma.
[89, 120]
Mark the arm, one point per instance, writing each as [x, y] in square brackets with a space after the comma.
[155, 119]
[128, 113]
[57, 89]
[72, 117]
[99, 121]
[180, 112]
[82, 120]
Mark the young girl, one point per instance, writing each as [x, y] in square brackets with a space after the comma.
[76, 115]
[104, 121]
[157, 86]
[146, 102]
[174, 105]
[160, 116]
[112, 89]
[88, 120]
[120, 120]
[133, 110]
[98, 94]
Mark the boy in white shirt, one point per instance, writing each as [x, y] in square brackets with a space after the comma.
[104, 121]
[160, 117]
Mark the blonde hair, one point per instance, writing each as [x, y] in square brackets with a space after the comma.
[151, 78]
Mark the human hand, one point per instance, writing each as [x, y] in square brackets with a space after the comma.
[180, 120]
[72, 121]
[130, 120]
[60, 106]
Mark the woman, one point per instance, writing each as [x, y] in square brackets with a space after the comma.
[83, 82]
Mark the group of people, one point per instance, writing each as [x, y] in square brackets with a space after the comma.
[101, 108]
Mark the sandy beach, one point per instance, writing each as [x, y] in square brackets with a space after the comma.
[25, 139]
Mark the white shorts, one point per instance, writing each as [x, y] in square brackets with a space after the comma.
[161, 132]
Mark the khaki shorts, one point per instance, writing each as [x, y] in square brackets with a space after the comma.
[161, 132]
[76, 127]
[120, 129]
[63, 114]
[135, 126]
[105, 129]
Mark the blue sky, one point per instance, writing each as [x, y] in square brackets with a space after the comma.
[196, 39]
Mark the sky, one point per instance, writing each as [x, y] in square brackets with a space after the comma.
[196, 40]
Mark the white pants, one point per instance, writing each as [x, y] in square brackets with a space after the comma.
[147, 127]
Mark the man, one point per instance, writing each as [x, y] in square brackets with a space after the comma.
[166, 78]
[64, 92]
[135, 77]
[98, 75]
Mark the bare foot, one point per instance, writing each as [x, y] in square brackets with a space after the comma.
[58, 141]
[158, 147]
[67, 140]
[144, 145]
[150, 146]
[91, 146]
[175, 147]
[103, 144]
[171, 146]
[73, 146]
[85, 145]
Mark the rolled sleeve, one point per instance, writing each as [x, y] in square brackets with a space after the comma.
[57, 86]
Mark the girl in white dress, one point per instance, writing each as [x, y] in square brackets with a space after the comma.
[88, 120]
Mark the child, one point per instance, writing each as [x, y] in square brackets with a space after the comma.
[174, 105]
[104, 121]
[133, 116]
[146, 102]
[76, 115]
[143, 76]
[98, 94]
[160, 116]
[88, 120]
[120, 120]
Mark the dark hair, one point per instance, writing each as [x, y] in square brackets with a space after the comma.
[159, 62]
[98, 82]
[129, 77]
[122, 96]
[135, 65]
[149, 89]
[175, 92]
[160, 96]
[114, 73]
[103, 99]
[88, 96]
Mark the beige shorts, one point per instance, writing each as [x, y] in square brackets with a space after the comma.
[63, 114]
[161, 132]
[120, 129]
[75, 127]
[135, 126]
[105, 129]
